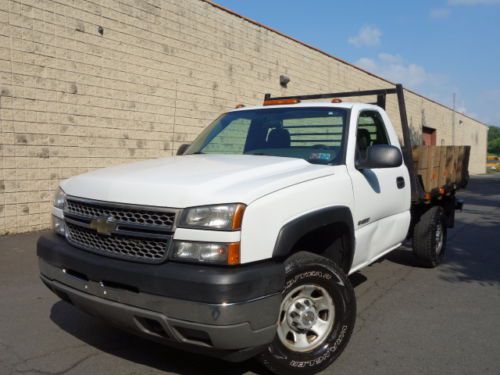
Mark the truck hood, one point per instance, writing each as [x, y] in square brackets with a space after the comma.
[194, 180]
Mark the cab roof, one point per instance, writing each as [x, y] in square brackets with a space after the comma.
[348, 105]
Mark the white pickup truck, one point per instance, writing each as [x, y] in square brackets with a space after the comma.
[242, 244]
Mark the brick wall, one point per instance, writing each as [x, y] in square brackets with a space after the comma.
[88, 84]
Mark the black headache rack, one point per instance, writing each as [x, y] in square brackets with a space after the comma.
[417, 191]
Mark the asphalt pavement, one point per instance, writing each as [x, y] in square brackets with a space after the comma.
[410, 320]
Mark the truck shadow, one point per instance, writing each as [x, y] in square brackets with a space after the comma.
[114, 341]
[357, 279]
[472, 254]
[465, 262]
[402, 256]
[132, 348]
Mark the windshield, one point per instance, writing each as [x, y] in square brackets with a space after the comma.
[313, 134]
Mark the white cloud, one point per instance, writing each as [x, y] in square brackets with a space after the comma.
[473, 2]
[367, 36]
[395, 68]
[390, 59]
[483, 106]
[367, 64]
[439, 13]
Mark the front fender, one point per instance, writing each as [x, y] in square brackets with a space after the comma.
[309, 204]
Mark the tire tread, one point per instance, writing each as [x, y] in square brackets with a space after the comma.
[424, 238]
[306, 259]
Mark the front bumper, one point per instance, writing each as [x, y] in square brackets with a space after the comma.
[220, 311]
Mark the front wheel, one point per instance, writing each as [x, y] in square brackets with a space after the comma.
[316, 319]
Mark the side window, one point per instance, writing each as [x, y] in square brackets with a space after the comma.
[371, 131]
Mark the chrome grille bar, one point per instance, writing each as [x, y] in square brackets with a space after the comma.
[140, 233]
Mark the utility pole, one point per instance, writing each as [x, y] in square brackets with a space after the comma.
[453, 120]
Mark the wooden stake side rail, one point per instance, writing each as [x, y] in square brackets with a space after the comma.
[441, 168]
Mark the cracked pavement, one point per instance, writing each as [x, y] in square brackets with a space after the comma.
[410, 320]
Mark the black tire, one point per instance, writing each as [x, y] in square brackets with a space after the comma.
[308, 269]
[427, 246]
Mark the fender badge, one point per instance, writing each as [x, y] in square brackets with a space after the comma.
[364, 221]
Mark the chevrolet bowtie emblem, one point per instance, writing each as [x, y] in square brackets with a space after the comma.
[103, 225]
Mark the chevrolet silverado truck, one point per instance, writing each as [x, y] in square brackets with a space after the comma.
[241, 245]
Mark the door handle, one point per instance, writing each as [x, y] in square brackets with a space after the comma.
[400, 182]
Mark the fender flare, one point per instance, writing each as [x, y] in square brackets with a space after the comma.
[295, 229]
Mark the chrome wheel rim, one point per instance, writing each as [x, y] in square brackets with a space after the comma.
[439, 238]
[306, 318]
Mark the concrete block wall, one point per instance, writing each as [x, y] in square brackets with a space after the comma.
[92, 83]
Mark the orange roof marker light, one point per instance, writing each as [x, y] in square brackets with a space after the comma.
[239, 106]
[281, 101]
[336, 100]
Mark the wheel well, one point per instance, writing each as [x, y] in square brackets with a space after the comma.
[332, 241]
[448, 206]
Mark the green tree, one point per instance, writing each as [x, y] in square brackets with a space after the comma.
[494, 140]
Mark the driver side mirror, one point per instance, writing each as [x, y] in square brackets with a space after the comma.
[380, 156]
[182, 149]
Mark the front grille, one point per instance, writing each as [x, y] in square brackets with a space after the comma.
[121, 246]
[122, 214]
[131, 232]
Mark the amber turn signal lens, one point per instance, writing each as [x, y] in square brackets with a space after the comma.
[281, 101]
[238, 216]
[233, 254]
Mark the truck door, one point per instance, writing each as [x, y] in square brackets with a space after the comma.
[381, 195]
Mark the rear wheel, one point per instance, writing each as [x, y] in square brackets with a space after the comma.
[316, 317]
[429, 237]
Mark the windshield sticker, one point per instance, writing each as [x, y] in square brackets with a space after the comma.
[320, 156]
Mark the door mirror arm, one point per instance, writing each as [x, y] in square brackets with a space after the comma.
[182, 149]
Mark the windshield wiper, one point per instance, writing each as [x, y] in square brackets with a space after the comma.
[258, 153]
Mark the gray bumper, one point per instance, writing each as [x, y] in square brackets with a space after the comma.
[214, 327]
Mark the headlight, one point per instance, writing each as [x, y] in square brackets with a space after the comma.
[221, 217]
[58, 225]
[206, 252]
[59, 199]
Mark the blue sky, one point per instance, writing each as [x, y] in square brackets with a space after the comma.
[433, 47]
